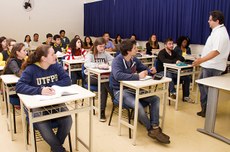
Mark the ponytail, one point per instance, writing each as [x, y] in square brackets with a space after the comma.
[36, 55]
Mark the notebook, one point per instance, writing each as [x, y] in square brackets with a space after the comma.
[146, 78]
[59, 91]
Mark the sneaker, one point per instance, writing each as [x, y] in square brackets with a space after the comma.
[173, 95]
[159, 136]
[102, 118]
[188, 99]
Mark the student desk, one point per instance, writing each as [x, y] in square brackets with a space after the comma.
[71, 63]
[149, 90]
[214, 85]
[8, 85]
[73, 102]
[99, 76]
[147, 60]
[179, 71]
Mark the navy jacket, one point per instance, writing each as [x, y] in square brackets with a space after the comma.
[121, 71]
[34, 78]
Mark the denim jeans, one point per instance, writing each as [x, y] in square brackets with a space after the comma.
[185, 80]
[153, 102]
[205, 73]
[55, 141]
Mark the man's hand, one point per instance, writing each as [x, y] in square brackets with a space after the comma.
[143, 74]
[153, 70]
[197, 62]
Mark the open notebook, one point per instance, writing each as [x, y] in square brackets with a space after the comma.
[146, 78]
[59, 91]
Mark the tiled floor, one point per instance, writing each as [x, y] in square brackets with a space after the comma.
[181, 125]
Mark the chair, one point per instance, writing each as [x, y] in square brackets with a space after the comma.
[93, 88]
[38, 137]
[116, 107]
[14, 101]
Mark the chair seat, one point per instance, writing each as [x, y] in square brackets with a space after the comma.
[14, 100]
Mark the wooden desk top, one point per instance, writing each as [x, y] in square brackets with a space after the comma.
[31, 102]
[174, 66]
[220, 82]
[146, 83]
[9, 78]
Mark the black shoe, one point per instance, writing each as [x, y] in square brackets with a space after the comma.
[173, 95]
[201, 113]
[102, 118]
[159, 136]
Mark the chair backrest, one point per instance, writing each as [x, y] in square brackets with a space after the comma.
[83, 74]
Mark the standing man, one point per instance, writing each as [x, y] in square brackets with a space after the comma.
[214, 55]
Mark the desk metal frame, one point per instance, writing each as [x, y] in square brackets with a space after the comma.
[73, 101]
[149, 87]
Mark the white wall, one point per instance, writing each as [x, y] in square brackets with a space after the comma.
[47, 16]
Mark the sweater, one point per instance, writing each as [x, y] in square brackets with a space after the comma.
[34, 78]
[149, 48]
[13, 67]
[121, 70]
[164, 57]
[92, 61]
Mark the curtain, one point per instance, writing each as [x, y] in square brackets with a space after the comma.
[165, 18]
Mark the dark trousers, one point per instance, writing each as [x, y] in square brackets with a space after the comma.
[104, 91]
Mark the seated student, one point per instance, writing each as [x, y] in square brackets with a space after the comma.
[48, 73]
[125, 67]
[168, 55]
[88, 43]
[3, 46]
[152, 44]
[9, 43]
[182, 47]
[64, 40]
[118, 39]
[108, 44]
[75, 49]
[27, 41]
[134, 37]
[15, 60]
[49, 38]
[57, 45]
[35, 43]
[96, 59]
[77, 37]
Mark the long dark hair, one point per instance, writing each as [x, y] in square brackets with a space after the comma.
[2, 39]
[117, 41]
[153, 43]
[36, 56]
[13, 54]
[26, 37]
[72, 45]
[90, 43]
[98, 41]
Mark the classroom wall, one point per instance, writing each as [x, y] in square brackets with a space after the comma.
[46, 16]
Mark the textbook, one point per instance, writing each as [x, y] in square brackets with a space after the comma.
[59, 91]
